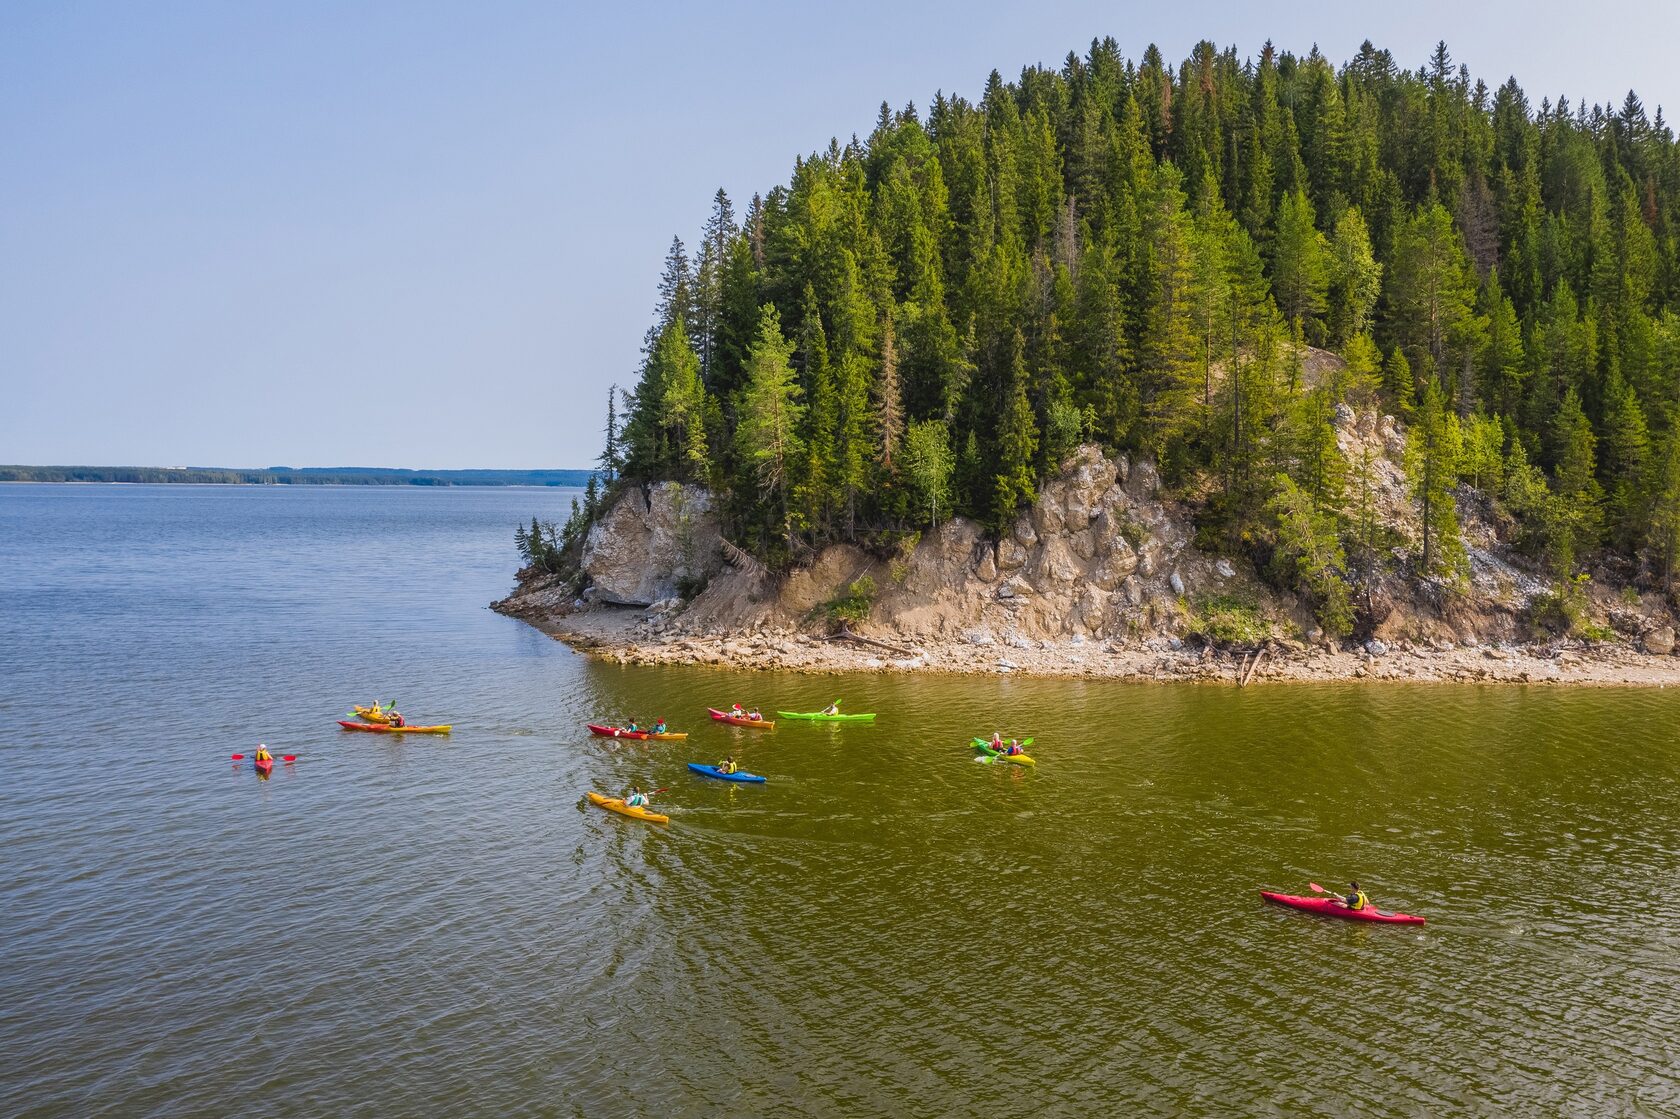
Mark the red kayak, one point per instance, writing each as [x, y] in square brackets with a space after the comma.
[1333, 907]
[264, 767]
[735, 721]
[616, 732]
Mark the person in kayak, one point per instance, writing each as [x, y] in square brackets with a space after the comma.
[262, 753]
[632, 728]
[738, 711]
[1014, 749]
[727, 765]
[636, 798]
[755, 716]
[1356, 899]
[396, 719]
[659, 726]
[832, 709]
[997, 740]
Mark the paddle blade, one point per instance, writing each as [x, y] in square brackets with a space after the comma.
[288, 757]
[238, 757]
[1316, 888]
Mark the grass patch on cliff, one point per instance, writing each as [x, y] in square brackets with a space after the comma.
[1228, 620]
[853, 606]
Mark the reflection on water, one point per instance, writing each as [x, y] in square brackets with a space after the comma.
[393, 926]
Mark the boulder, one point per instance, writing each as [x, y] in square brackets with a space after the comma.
[1083, 544]
[1658, 641]
[1025, 534]
[986, 570]
[1120, 562]
[638, 551]
[1055, 566]
[1010, 554]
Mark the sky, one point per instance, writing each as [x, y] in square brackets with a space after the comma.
[428, 235]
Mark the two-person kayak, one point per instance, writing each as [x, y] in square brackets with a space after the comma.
[738, 721]
[616, 804]
[1336, 907]
[386, 728]
[609, 731]
[714, 771]
[984, 748]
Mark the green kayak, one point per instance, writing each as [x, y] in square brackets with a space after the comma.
[818, 716]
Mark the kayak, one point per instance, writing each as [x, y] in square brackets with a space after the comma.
[386, 728]
[756, 724]
[1329, 907]
[620, 732]
[993, 756]
[372, 715]
[264, 767]
[818, 716]
[714, 771]
[998, 757]
[987, 743]
[615, 804]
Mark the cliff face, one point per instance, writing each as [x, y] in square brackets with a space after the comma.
[650, 543]
[1102, 555]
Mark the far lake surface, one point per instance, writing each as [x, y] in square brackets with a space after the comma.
[396, 927]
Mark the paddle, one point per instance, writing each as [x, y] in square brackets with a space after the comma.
[283, 757]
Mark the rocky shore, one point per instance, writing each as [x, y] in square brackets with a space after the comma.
[1099, 578]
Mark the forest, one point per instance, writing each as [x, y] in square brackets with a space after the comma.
[925, 321]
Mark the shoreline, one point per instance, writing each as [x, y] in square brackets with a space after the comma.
[625, 635]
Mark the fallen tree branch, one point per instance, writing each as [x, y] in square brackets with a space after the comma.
[846, 634]
[1258, 657]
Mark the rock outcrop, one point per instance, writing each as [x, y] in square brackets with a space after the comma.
[650, 543]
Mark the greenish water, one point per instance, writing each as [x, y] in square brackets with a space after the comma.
[884, 928]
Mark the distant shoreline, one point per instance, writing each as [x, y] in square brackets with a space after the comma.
[292, 476]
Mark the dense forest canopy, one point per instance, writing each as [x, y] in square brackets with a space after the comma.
[927, 320]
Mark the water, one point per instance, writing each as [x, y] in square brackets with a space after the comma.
[406, 927]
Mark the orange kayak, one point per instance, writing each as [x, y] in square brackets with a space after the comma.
[734, 721]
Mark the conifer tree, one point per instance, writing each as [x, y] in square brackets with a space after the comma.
[1300, 265]
[1016, 444]
[1431, 471]
[771, 413]
[1355, 277]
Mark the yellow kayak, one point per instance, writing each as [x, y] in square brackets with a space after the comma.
[371, 714]
[615, 804]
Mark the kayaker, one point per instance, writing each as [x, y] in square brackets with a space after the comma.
[755, 716]
[727, 765]
[632, 728]
[636, 799]
[1015, 749]
[396, 719]
[1356, 899]
[659, 727]
[997, 740]
[262, 753]
[832, 709]
[738, 711]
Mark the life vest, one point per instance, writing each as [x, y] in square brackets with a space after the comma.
[1360, 901]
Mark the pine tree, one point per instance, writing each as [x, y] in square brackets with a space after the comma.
[610, 461]
[889, 399]
[1431, 470]
[1017, 442]
[771, 413]
[1355, 277]
[1397, 381]
[1300, 265]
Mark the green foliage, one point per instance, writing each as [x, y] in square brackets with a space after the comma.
[1229, 620]
[542, 546]
[1308, 555]
[1130, 251]
[853, 606]
[927, 466]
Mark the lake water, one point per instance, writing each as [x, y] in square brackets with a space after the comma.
[443, 926]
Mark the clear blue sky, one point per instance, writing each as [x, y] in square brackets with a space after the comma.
[412, 234]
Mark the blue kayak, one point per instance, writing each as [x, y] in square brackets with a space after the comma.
[713, 771]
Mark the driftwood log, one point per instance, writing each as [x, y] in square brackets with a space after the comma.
[845, 634]
[1258, 657]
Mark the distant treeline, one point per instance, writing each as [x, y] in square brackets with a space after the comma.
[289, 476]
